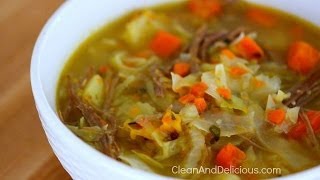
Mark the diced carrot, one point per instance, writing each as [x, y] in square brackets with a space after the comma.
[237, 71]
[300, 129]
[205, 8]
[188, 98]
[224, 92]
[249, 49]
[198, 89]
[314, 117]
[170, 122]
[103, 69]
[261, 17]
[165, 44]
[181, 68]
[166, 119]
[302, 57]
[201, 104]
[229, 156]
[276, 116]
[228, 53]
[257, 83]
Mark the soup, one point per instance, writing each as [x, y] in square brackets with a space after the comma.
[199, 89]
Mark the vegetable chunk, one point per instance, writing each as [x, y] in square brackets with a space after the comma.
[300, 129]
[94, 91]
[229, 156]
[165, 44]
[182, 69]
[205, 8]
[302, 57]
[249, 49]
[276, 116]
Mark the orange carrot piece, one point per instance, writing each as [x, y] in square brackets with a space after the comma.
[165, 44]
[181, 68]
[166, 119]
[249, 49]
[299, 130]
[314, 117]
[261, 17]
[257, 83]
[230, 155]
[237, 71]
[302, 57]
[103, 69]
[188, 98]
[276, 116]
[201, 104]
[228, 53]
[205, 8]
[224, 92]
[198, 89]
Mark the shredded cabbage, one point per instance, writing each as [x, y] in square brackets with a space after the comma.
[124, 85]
[197, 146]
[127, 65]
[295, 155]
[135, 161]
[94, 91]
[179, 82]
[251, 157]
[275, 101]
[131, 109]
[152, 162]
[209, 79]
[271, 104]
[189, 113]
[280, 96]
[229, 123]
[206, 67]
[170, 148]
[270, 85]
[220, 76]
[235, 103]
[89, 134]
[161, 102]
[292, 114]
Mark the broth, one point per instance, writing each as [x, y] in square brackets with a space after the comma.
[187, 85]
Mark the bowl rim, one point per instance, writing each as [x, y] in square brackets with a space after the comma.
[43, 107]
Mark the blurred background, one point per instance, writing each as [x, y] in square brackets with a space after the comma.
[24, 149]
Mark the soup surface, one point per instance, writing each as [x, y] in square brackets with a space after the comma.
[193, 88]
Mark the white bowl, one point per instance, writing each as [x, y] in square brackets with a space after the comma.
[72, 23]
